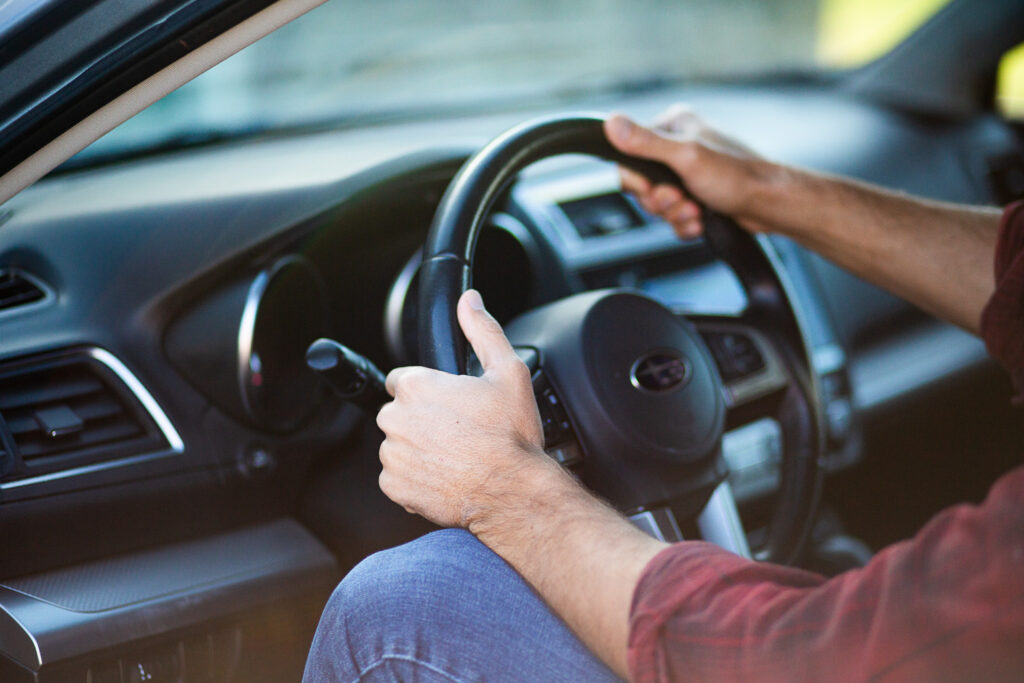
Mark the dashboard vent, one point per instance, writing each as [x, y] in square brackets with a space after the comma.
[18, 290]
[71, 410]
[602, 214]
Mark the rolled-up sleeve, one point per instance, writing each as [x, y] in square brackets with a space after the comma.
[946, 605]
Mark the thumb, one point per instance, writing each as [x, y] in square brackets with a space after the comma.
[640, 141]
[483, 331]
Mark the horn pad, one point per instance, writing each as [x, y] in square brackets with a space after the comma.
[640, 385]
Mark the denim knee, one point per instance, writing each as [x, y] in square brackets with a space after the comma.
[388, 606]
[443, 608]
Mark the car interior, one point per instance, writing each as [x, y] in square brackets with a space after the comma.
[180, 490]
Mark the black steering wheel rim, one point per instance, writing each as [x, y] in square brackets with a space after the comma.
[446, 272]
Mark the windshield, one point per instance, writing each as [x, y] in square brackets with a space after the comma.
[351, 61]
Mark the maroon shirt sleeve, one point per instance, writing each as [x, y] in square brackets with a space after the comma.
[946, 605]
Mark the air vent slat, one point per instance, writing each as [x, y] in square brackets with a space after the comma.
[603, 214]
[17, 298]
[15, 394]
[70, 410]
[17, 290]
[22, 424]
[37, 445]
[96, 407]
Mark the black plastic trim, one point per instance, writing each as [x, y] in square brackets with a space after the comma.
[81, 609]
[155, 38]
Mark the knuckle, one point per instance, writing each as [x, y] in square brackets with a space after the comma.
[515, 369]
[491, 326]
[414, 380]
[384, 452]
[691, 153]
[384, 416]
[666, 195]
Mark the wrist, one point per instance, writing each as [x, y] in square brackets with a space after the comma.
[512, 497]
[775, 192]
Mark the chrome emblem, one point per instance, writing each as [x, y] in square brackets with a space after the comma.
[660, 371]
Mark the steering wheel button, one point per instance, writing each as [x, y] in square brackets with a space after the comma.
[735, 354]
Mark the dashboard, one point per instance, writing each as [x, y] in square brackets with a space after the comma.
[155, 314]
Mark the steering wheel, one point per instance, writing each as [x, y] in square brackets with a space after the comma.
[637, 396]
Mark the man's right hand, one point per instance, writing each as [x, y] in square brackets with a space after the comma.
[720, 172]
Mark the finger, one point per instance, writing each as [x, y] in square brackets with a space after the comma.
[666, 198]
[388, 485]
[385, 415]
[384, 452]
[633, 182]
[636, 140]
[483, 332]
[688, 229]
[394, 377]
[683, 212]
[647, 202]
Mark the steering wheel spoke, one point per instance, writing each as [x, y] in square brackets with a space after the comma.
[659, 523]
[719, 522]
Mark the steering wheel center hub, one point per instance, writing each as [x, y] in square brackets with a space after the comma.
[643, 390]
[653, 376]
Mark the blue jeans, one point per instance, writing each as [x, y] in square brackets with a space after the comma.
[444, 608]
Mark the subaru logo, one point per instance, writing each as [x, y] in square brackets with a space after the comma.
[660, 371]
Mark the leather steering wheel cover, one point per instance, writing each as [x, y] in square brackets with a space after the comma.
[447, 266]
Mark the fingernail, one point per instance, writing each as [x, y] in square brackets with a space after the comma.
[474, 300]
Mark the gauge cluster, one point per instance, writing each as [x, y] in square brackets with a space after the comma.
[244, 345]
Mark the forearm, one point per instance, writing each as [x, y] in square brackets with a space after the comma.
[581, 556]
[937, 255]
